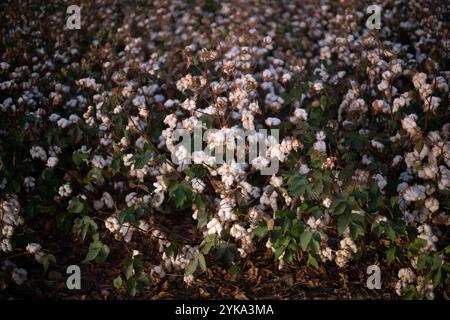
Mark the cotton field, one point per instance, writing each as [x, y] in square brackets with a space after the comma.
[316, 147]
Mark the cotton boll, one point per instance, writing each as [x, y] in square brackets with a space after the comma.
[39, 153]
[276, 181]
[198, 185]
[414, 193]
[19, 276]
[32, 248]
[272, 122]
[65, 190]
[52, 162]
[432, 204]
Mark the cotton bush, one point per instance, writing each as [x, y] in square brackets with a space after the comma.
[87, 122]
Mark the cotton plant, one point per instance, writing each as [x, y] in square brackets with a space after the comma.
[363, 147]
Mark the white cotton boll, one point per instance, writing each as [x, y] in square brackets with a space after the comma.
[63, 123]
[409, 124]
[5, 245]
[73, 118]
[198, 185]
[7, 231]
[304, 169]
[432, 204]
[157, 199]
[326, 202]
[320, 146]
[398, 104]
[377, 145]
[432, 104]
[383, 85]
[170, 103]
[419, 79]
[381, 182]
[247, 119]
[395, 138]
[135, 253]
[366, 160]
[38, 152]
[182, 154]
[39, 255]
[54, 150]
[52, 162]
[397, 159]
[320, 136]
[98, 204]
[126, 230]
[414, 193]
[301, 114]
[188, 279]
[189, 105]
[29, 182]
[130, 199]
[260, 163]
[396, 68]
[143, 226]
[428, 171]
[318, 86]
[19, 275]
[32, 248]
[272, 122]
[214, 226]
[326, 254]
[171, 120]
[276, 181]
[159, 271]
[108, 200]
[54, 117]
[140, 142]
[112, 224]
[65, 190]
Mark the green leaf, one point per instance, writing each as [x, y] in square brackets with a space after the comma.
[355, 230]
[305, 238]
[115, 165]
[297, 229]
[117, 282]
[315, 242]
[131, 286]
[390, 254]
[46, 260]
[338, 207]
[343, 222]
[75, 205]
[410, 293]
[261, 230]
[93, 251]
[209, 242]
[181, 193]
[313, 261]
[234, 269]
[192, 266]
[138, 263]
[103, 254]
[202, 262]
[79, 157]
[141, 160]
[437, 277]
[390, 232]
[297, 185]
[129, 270]
[142, 281]
[316, 212]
